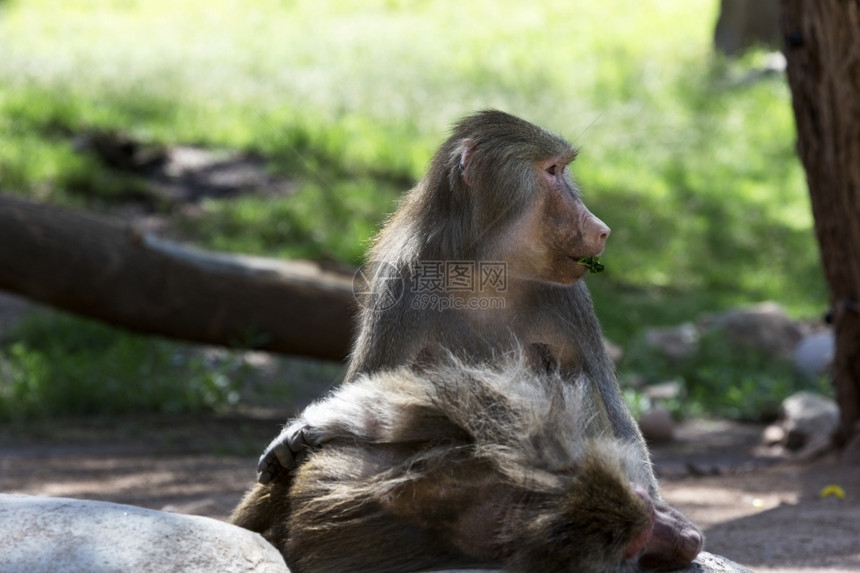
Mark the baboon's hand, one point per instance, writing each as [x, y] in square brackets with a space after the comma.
[287, 451]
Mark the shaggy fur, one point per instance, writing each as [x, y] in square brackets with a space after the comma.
[458, 466]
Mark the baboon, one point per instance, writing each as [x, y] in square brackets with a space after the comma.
[498, 194]
[459, 466]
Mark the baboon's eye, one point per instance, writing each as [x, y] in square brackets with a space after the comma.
[552, 169]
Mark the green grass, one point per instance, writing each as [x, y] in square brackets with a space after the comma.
[64, 365]
[319, 222]
[720, 378]
[694, 170]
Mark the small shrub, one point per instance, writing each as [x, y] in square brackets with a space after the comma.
[723, 379]
[59, 365]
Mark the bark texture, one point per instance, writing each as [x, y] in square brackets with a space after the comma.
[114, 273]
[822, 47]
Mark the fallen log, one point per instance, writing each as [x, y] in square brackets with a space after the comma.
[117, 274]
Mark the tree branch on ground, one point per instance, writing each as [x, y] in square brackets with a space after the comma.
[120, 275]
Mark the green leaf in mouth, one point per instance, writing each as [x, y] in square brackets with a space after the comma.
[593, 263]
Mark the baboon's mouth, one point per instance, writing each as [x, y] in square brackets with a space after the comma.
[592, 263]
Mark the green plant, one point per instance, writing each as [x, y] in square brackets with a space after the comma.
[69, 366]
[723, 379]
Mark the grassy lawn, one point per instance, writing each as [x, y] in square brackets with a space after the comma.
[693, 168]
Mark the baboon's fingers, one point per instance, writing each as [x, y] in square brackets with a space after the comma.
[287, 451]
[270, 464]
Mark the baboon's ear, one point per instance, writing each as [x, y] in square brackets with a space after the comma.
[466, 150]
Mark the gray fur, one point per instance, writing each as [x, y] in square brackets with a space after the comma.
[456, 465]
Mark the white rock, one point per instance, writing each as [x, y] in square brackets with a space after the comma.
[773, 435]
[710, 563]
[664, 390]
[814, 355]
[805, 415]
[58, 535]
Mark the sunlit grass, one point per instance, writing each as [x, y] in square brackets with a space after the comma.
[315, 222]
[694, 170]
[74, 366]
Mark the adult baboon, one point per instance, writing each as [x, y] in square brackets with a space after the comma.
[456, 466]
[498, 196]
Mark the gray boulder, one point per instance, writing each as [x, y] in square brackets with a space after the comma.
[806, 423]
[704, 563]
[763, 327]
[746, 23]
[805, 416]
[57, 535]
[710, 563]
[674, 342]
[814, 355]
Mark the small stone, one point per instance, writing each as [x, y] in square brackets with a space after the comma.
[675, 342]
[805, 415]
[773, 435]
[814, 355]
[657, 425]
[665, 390]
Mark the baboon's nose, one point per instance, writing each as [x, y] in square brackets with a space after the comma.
[599, 233]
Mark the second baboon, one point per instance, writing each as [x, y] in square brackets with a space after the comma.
[498, 196]
[458, 466]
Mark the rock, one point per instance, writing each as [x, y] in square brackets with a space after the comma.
[814, 355]
[815, 447]
[657, 425]
[743, 24]
[58, 535]
[764, 327]
[676, 342]
[710, 563]
[773, 435]
[664, 390]
[804, 415]
[704, 563]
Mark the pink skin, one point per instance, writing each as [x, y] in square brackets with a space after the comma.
[674, 541]
[637, 545]
[667, 543]
[568, 230]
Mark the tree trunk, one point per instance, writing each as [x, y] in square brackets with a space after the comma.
[744, 24]
[123, 277]
[823, 53]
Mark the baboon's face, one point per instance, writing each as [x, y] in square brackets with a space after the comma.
[547, 241]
